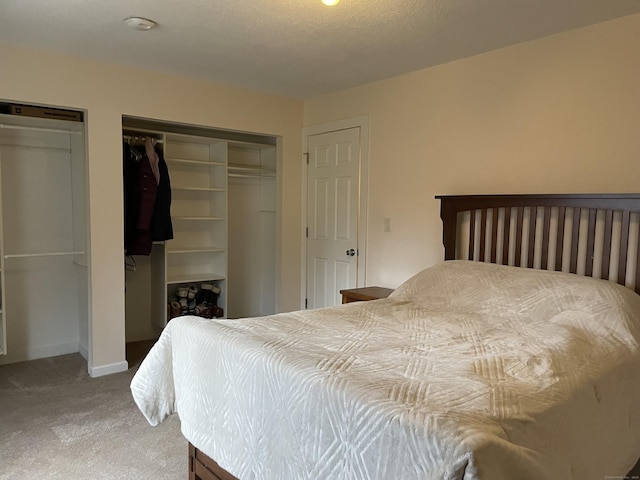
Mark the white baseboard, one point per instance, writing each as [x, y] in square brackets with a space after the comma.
[35, 353]
[45, 351]
[101, 370]
[83, 351]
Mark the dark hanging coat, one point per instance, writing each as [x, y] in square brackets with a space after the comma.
[146, 202]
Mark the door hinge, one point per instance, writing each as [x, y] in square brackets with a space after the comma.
[307, 232]
[306, 302]
[306, 154]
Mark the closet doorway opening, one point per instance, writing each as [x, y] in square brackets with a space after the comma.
[44, 287]
[218, 259]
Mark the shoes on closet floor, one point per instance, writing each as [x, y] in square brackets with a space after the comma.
[191, 300]
[204, 310]
[175, 308]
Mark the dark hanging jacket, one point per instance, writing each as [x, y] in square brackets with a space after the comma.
[130, 168]
[147, 202]
[161, 226]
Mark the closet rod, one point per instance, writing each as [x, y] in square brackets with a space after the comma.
[50, 254]
[34, 147]
[252, 175]
[39, 129]
[140, 138]
[250, 168]
[236, 170]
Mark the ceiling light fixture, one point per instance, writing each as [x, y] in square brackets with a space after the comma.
[139, 23]
[330, 3]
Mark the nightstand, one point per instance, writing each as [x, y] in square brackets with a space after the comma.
[364, 294]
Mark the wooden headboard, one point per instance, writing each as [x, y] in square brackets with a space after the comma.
[587, 234]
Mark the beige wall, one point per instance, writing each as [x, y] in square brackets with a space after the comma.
[107, 92]
[560, 114]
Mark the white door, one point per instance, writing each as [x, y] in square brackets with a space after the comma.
[333, 192]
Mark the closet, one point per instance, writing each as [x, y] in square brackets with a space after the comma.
[252, 221]
[43, 261]
[223, 213]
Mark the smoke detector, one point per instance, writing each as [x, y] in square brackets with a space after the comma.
[139, 23]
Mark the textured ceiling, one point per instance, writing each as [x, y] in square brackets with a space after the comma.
[296, 48]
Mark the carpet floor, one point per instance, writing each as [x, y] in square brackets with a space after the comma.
[56, 422]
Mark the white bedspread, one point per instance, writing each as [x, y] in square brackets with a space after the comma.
[467, 371]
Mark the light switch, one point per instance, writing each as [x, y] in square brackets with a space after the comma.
[387, 224]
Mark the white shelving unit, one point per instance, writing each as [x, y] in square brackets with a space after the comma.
[43, 265]
[198, 252]
[203, 171]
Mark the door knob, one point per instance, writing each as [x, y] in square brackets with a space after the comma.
[351, 252]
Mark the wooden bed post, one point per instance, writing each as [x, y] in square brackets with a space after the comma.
[192, 460]
[202, 467]
[449, 223]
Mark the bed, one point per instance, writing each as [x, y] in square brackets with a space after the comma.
[486, 366]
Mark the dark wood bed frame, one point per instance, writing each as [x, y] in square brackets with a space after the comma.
[586, 234]
[202, 467]
[592, 235]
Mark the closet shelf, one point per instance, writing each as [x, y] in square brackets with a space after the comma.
[199, 189]
[200, 163]
[200, 219]
[35, 147]
[195, 250]
[235, 170]
[44, 254]
[194, 278]
[255, 176]
[38, 129]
